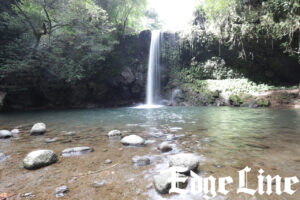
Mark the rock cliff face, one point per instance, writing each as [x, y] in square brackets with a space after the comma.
[120, 81]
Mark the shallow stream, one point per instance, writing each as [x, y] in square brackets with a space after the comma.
[227, 139]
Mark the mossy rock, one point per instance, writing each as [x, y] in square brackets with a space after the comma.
[216, 94]
[263, 103]
[235, 100]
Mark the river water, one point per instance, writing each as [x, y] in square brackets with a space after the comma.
[227, 139]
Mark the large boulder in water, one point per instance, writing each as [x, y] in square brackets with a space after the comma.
[5, 134]
[39, 158]
[38, 129]
[185, 160]
[133, 140]
[162, 182]
[76, 151]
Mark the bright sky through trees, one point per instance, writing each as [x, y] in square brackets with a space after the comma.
[176, 14]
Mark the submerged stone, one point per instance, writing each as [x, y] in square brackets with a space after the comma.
[76, 151]
[70, 133]
[28, 195]
[99, 183]
[2, 157]
[162, 182]
[39, 158]
[133, 140]
[61, 191]
[4, 134]
[259, 146]
[15, 131]
[38, 129]
[49, 140]
[114, 133]
[165, 147]
[185, 160]
[107, 161]
[140, 161]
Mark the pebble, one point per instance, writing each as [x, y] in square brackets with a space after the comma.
[61, 191]
[72, 180]
[165, 147]
[114, 133]
[99, 183]
[10, 185]
[76, 151]
[107, 161]
[70, 133]
[49, 140]
[15, 131]
[140, 161]
[28, 194]
[2, 157]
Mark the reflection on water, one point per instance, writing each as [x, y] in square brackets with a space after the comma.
[228, 139]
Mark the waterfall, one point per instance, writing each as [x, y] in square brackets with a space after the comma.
[153, 77]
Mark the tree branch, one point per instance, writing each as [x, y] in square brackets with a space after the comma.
[48, 17]
[27, 18]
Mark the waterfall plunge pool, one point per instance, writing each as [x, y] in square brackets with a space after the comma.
[227, 139]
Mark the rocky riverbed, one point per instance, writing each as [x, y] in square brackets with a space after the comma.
[145, 143]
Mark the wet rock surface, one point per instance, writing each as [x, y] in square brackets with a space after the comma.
[133, 140]
[114, 133]
[185, 160]
[162, 182]
[4, 134]
[38, 129]
[140, 161]
[28, 195]
[2, 157]
[39, 158]
[15, 131]
[76, 151]
[68, 133]
[50, 140]
[165, 147]
[107, 161]
[61, 191]
[98, 184]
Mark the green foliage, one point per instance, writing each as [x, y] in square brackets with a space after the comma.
[216, 9]
[213, 68]
[125, 14]
[225, 87]
[67, 39]
[235, 100]
[233, 21]
[263, 103]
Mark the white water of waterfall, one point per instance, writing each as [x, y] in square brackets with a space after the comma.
[153, 77]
